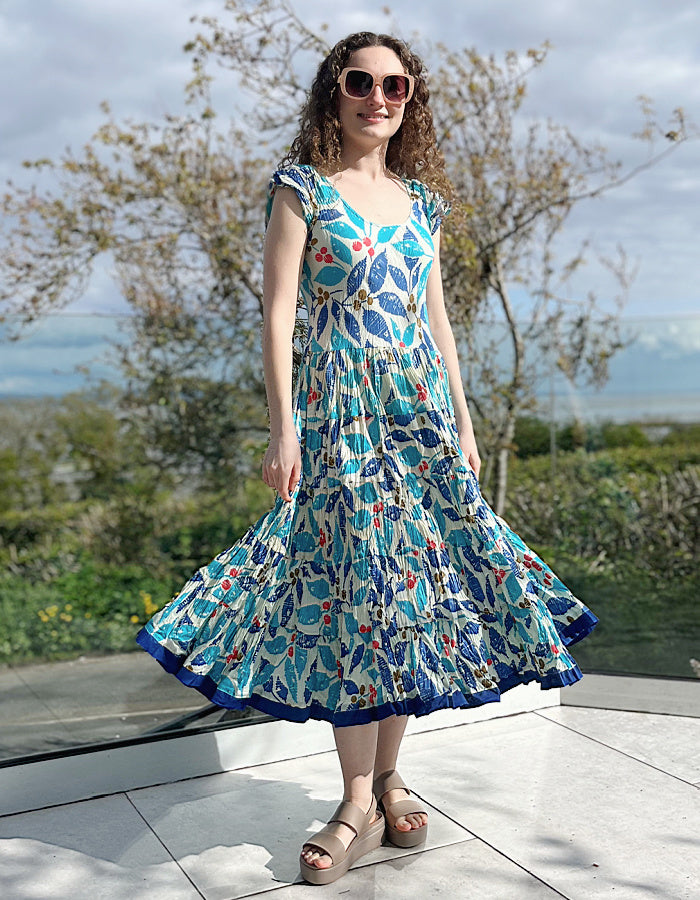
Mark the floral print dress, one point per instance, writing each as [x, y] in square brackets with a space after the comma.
[387, 586]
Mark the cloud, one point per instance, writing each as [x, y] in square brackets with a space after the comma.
[58, 60]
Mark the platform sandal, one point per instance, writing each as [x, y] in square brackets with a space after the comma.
[368, 837]
[389, 781]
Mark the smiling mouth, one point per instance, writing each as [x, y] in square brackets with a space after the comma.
[372, 116]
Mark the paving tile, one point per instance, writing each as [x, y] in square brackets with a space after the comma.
[671, 743]
[238, 833]
[587, 820]
[94, 850]
[466, 871]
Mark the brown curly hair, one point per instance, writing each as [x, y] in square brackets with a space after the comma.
[412, 151]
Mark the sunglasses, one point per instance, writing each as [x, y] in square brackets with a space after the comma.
[358, 84]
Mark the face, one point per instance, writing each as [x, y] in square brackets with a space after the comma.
[371, 120]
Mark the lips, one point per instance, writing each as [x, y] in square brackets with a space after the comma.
[373, 116]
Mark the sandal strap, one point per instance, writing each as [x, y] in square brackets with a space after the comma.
[388, 781]
[329, 843]
[349, 814]
[405, 808]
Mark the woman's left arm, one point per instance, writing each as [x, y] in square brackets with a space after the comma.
[441, 331]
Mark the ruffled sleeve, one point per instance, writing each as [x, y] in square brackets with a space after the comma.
[434, 204]
[437, 208]
[297, 178]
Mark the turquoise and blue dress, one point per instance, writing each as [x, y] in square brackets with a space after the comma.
[387, 586]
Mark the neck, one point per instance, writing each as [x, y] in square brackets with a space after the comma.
[370, 163]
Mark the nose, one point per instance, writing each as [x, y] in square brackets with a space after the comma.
[376, 95]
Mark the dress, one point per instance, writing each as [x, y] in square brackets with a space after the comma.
[387, 585]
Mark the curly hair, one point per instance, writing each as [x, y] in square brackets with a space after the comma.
[412, 152]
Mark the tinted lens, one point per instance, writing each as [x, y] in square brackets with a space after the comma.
[358, 83]
[395, 88]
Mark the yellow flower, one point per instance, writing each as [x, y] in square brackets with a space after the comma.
[68, 607]
[134, 619]
[148, 603]
[65, 617]
[88, 615]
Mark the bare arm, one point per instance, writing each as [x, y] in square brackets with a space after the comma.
[285, 242]
[441, 331]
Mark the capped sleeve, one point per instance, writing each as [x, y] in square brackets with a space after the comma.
[437, 208]
[298, 179]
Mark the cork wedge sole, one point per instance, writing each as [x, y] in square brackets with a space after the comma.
[389, 781]
[368, 837]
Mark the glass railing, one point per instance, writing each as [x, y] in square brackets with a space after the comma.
[109, 501]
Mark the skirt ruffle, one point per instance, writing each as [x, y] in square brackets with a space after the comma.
[387, 586]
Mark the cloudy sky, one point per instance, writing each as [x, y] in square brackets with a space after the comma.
[60, 58]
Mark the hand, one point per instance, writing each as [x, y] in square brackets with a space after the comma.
[467, 442]
[281, 467]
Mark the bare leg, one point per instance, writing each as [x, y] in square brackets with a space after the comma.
[391, 732]
[356, 745]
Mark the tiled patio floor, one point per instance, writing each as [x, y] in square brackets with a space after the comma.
[561, 802]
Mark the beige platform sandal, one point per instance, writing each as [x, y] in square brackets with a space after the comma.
[368, 837]
[389, 781]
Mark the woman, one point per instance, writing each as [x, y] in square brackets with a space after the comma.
[380, 584]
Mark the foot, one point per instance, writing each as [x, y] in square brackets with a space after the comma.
[402, 823]
[315, 856]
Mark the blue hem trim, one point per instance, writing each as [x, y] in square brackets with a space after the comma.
[417, 707]
[578, 630]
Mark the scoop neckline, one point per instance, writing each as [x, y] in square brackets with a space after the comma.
[352, 209]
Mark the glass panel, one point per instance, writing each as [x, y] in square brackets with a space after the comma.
[104, 514]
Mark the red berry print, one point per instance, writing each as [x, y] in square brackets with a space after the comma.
[366, 241]
[290, 652]
[411, 580]
[357, 245]
[327, 619]
[319, 258]
[375, 645]
[226, 584]
[326, 604]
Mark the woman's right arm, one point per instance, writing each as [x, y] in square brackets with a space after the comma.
[285, 244]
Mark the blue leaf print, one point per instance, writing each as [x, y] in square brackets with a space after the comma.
[330, 275]
[371, 468]
[352, 325]
[356, 278]
[322, 320]
[392, 304]
[357, 657]
[348, 498]
[409, 249]
[290, 676]
[341, 251]
[328, 215]
[350, 687]
[342, 229]
[427, 437]
[386, 233]
[327, 657]
[399, 278]
[375, 324]
[299, 659]
[353, 216]
[377, 272]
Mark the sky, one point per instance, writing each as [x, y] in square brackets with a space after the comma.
[59, 60]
